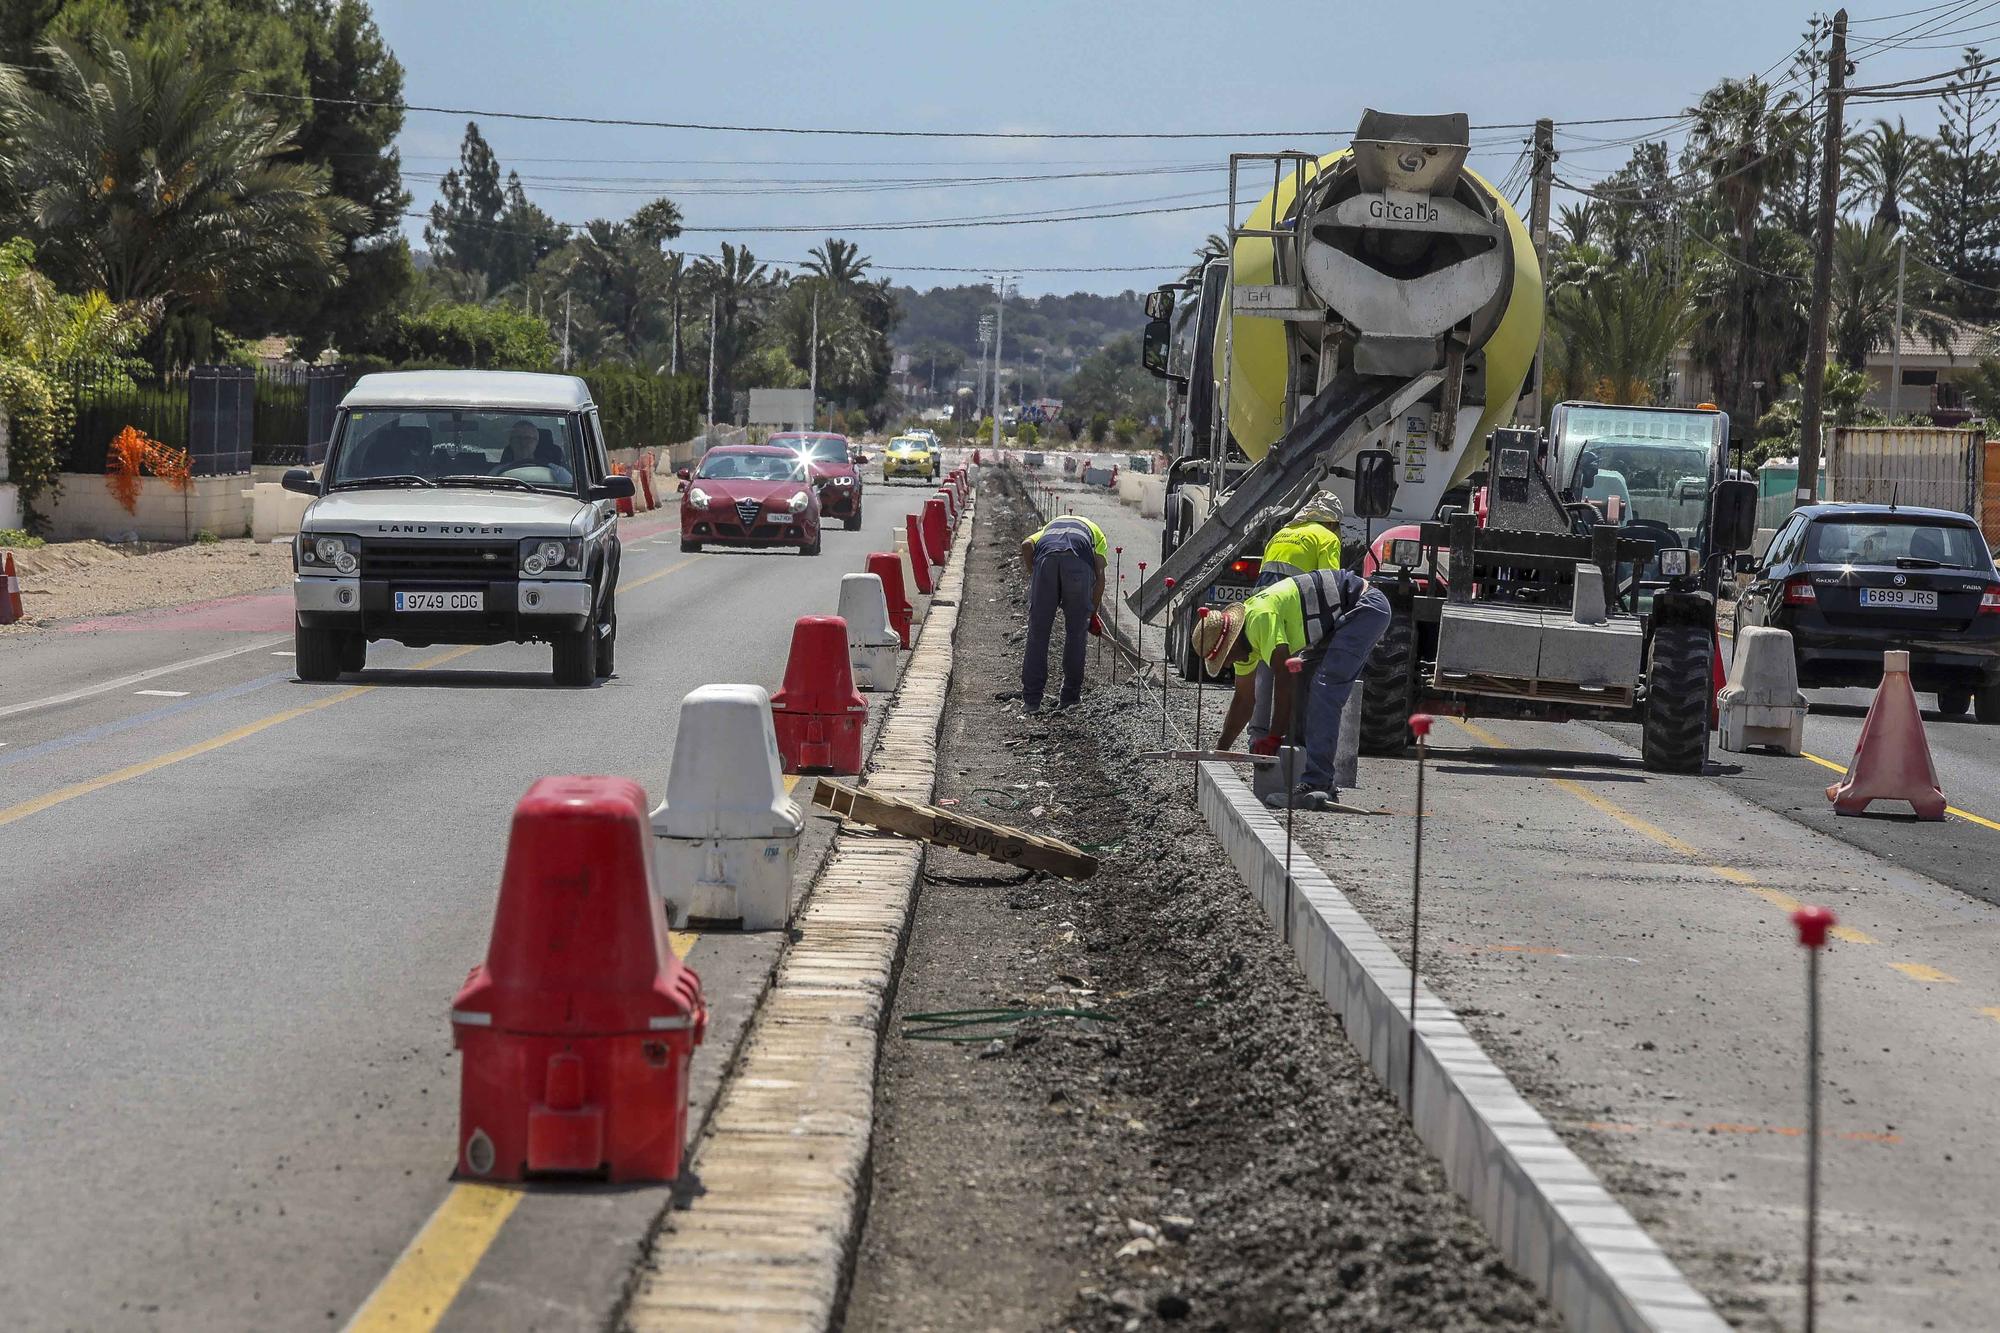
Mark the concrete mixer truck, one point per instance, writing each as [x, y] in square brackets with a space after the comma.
[1373, 323]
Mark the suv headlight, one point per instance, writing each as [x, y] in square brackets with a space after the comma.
[551, 555]
[329, 553]
[697, 497]
[800, 501]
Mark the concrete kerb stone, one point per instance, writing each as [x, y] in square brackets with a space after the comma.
[1550, 1217]
[767, 1243]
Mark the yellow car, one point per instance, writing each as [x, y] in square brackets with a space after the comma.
[909, 456]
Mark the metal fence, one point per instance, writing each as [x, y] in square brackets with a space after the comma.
[289, 408]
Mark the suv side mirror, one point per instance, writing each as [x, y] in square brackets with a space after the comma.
[299, 480]
[1374, 483]
[614, 487]
[1153, 351]
[1733, 515]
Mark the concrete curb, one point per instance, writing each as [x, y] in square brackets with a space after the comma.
[776, 1185]
[1551, 1219]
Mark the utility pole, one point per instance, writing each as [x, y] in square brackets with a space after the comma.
[1896, 334]
[814, 382]
[677, 326]
[999, 342]
[1814, 390]
[711, 367]
[565, 330]
[1538, 231]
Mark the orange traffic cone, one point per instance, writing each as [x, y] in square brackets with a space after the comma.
[10, 592]
[1892, 760]
[624, 501]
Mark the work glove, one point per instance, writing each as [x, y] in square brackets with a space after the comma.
[1097, 624]
[1268, 745]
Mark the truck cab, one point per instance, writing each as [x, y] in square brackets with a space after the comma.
[460, 506]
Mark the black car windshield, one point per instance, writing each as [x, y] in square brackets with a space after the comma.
[720, 466]
[1883, 539]
[536, 449]
[820, 448]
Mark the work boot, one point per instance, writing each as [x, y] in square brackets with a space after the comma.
[1303, 798]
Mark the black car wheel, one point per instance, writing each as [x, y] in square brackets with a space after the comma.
[853, 523]
[1954, 703]
[1986, 705]
[811, 548]
[690, 548]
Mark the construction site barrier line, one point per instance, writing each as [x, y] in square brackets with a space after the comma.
[1549, 1216]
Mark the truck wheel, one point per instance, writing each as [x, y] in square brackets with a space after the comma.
[1180, 646]
[1677, 685]
[1953, 703]
[317, 653]
[576, 658]
[354, 652]
[1388, 687]
[1986, 705]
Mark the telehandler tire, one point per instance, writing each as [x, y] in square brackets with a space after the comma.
[1677, 702]
[1388, 687]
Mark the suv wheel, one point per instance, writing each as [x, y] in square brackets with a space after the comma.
[354, 652]
[1675, 738]
[576, 658]
[607, 646]
[318, 654]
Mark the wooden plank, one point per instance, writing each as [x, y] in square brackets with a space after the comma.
[947, 828]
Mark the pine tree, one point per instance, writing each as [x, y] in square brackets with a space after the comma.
[1958, 193]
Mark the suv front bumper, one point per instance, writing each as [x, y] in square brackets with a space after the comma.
[516, 610]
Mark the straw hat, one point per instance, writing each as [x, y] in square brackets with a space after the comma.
[1324, 507]
[1215, 636]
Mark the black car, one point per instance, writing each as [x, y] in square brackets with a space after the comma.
[1851, 581]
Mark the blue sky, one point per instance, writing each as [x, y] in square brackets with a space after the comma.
[1042, 65]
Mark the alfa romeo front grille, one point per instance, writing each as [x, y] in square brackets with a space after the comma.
[746, 513]
[438, 561]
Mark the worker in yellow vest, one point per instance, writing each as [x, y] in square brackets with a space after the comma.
[1306, 545]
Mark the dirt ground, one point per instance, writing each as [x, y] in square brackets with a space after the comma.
[1203, 1149]
[77, 580]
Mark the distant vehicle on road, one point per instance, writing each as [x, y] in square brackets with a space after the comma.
[750, 495]
[836, 472]
[1851, 581]
[460, 506]
[910, 456]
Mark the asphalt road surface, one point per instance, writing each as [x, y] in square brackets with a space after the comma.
[234, 909]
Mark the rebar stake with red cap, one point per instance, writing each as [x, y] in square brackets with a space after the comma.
[1812, 923]
[1294, 665]
[1420, 726]
[1118, 568]
[1166, 671]
[1200, 693]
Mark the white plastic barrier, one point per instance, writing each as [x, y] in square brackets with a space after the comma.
[871, 644]
[1761, 704]
[726, 838]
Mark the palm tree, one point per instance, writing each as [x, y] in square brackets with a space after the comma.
[1746, 139]
[1881, 167]
[1864, 296]
[1621, 330]
[1212, 247]
[739, 285]
[144, 173]
[1577, 223]
[840, 262]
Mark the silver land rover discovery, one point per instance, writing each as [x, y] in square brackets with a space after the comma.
[460, 506]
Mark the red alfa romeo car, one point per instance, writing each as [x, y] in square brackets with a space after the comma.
[836, 472]
[750, 495]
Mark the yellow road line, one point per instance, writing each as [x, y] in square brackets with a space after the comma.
[36, 805]
[1922, 972]
[659, 573]
[1966, 815]
[1604, 805]
[1992, 1012]
[427, 1277]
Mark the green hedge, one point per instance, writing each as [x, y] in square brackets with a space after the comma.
[642, 410]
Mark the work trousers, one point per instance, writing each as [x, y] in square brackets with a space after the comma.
[1062, 581]
[1335, 664]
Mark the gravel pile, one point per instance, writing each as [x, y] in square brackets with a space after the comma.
[77, 580]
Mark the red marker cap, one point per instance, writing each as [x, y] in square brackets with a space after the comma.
[1170, 583]
[1119, 549]
[1295, 665]
[1201, 614]
[1420, 724]
[1812, 924]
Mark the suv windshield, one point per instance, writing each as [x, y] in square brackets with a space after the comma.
[720, 466]
[1885, 539]
[819, 448]
[457, 447]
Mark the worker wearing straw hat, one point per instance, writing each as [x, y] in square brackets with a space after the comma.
[1306, 545]
[1332, 618]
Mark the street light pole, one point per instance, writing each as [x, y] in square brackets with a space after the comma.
[1896, 334]
[814, 382]
[999, 339]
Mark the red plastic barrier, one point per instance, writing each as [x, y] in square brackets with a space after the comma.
[888, 566]
[950, 498]
[937, 529]
[1892, 758]
[975, 458]
[578, 1028]
[624, 501]
[920, 559]
[10, 592]
[818, 715]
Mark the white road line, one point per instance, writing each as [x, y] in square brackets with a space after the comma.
[137, 677]
[284, 653]
[164, 694]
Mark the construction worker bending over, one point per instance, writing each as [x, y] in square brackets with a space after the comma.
[1065, 561]
[1306, 545]
[1332, 619]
